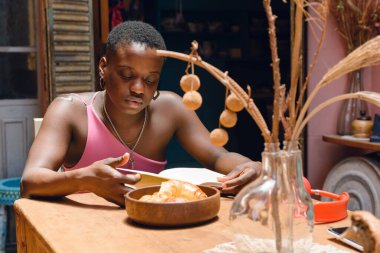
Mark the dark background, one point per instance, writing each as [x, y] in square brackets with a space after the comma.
[232, 36]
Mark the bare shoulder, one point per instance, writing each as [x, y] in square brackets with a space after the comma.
[169, 100]
[169, 96]
[169, 106]
[68, 106]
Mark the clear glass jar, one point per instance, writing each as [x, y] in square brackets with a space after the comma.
[274, 213]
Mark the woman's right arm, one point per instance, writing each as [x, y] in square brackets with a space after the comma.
[48, 152]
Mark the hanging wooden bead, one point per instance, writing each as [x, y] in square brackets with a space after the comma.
[219, 137]
[192, 100]
[228, 118]
[233, 103]
[190, 82]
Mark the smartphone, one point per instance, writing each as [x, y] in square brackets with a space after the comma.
[337, 233]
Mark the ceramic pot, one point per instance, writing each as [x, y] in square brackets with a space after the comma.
[362, 127]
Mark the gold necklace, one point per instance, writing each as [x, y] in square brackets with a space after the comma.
[131, 158]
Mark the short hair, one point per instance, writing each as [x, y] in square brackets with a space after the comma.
[134, 31]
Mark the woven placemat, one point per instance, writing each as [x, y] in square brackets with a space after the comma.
[260, 245]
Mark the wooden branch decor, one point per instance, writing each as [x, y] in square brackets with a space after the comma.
[233, 86]
[289, 108]
[369, 96]
[364, 56]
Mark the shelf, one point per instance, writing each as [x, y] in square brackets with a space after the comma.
[351, 141]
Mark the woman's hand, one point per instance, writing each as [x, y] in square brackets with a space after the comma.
[105, 181]
[243, 174]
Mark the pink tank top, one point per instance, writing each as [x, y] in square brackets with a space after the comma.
[101, 144]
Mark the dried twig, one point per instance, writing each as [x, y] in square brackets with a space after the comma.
[296, 41]
[357, 20]
[283, 108]
[372, 97]
[275, 68]
[322, 10]
[232, 85]
[364, 56]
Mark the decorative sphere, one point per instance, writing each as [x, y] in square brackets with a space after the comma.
[233, 103]
[190, 82]
[192, 100]
[219, 137]
[228, 119]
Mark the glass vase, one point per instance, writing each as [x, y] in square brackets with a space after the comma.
[274, 213]
[352, 108]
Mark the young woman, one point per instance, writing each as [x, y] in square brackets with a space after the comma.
[128, 124]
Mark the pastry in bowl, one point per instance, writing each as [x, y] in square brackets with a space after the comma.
[178, 205]
[175, 191]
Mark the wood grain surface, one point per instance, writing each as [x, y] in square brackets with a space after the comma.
[87, 223]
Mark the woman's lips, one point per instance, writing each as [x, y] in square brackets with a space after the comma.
[135, 102]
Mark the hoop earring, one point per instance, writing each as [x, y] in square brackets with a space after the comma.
[101, 83]
[156, 94]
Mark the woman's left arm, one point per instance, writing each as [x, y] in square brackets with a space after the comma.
[195, 139]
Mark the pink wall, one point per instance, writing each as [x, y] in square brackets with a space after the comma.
[322, 156]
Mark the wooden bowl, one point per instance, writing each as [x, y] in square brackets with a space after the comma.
[171, 214]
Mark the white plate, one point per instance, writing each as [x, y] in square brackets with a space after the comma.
[199, 176]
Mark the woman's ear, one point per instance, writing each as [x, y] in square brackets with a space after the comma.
[102, 66]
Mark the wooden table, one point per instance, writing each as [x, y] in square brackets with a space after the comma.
[87, 223]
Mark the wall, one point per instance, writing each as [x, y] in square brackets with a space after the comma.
[322, 156]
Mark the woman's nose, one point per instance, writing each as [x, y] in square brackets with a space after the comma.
[137, 86]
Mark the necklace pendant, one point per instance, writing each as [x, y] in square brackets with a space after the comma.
[132, 161]
[116, 133]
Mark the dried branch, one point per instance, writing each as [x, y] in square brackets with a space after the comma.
[364, 56]
[357, 20]
[372, 97]
[245, 98]
[232, 85]
[322, 11]
[296, 41]
[284, 102]
[275, 67]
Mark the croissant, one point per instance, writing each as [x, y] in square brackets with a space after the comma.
[175, 191]
[365, 229]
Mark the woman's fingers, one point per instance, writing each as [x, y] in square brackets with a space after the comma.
[128, 178]
[244, 177]
[235, 181]
[229, 176]
[240, 170]
[117, 162]
[231, 190]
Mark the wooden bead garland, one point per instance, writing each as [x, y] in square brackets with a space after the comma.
[233, 103]
[219, 137]
[192, 100]
[228, 118]
[190, 82]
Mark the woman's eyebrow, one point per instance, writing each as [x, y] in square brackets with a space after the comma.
[124, 66]
[155, 72]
